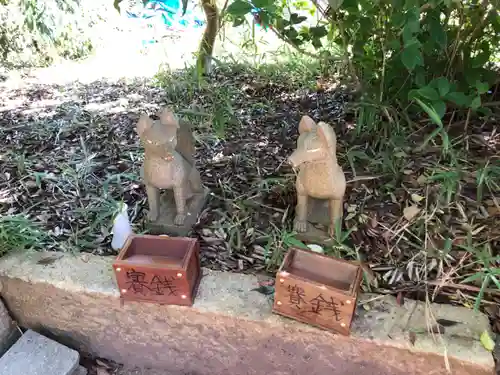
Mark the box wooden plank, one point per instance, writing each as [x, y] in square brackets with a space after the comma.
[317, 290]
[159, 269]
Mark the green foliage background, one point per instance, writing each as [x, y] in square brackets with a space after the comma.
[426, 57]
[408, 57]
[36, 33]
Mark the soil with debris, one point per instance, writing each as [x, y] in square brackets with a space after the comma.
[100, 366]
[417, 220]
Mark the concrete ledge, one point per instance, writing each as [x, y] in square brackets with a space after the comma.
[230, 329]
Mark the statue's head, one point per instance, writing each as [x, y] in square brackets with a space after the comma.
[159, 137]
[316, 142]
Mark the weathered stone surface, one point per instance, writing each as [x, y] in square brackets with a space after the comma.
[230, 329]
[35, 354]
[165, 222]
[9, 332]
[406, 325]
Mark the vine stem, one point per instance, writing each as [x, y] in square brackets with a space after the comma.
[384, 57]
[221, 14]
[346, 52]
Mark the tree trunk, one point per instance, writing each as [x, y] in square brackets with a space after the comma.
[207, 42]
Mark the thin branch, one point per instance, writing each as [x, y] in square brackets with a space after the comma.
[288, 41]
[469, 288]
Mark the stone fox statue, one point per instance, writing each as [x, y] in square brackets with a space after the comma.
[319, 174]
[168, 162]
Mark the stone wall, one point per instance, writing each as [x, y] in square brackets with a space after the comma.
[230, 329]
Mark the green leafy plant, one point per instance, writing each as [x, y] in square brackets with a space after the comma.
[33, 32]
[424, 58]
[20, 233]
[488, 272]
[279, 241]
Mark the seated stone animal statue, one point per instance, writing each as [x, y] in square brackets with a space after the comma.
[319, 174]
[168, 162]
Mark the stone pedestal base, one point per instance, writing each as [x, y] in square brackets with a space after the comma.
[318, 221]
[165, 222]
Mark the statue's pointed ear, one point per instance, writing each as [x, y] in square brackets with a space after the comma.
[143, 124]
[327, 135]
[306, 124]
[168, 118]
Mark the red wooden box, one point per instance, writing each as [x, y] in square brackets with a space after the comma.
[317, 289]
[159, 269]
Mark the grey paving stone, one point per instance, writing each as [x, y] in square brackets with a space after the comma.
[8, 330]
[34, 354]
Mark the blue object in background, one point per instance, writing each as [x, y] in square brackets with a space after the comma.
[256, 14]
[170, 13]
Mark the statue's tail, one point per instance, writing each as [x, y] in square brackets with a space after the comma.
[185, 139]
[185, 142]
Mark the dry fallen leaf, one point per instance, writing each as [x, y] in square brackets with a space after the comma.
[493, 211]
[496, 326]
[400, 300]
[265, 280]
[412, 337]
[410, 212]
[487, 341]
[102, 363]
[421, 179]
[49, 259]
[102, 371]
[438, 329]
[446, 322]
[369, 274]
[416, 198]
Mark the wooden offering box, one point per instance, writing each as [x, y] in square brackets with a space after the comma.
[318, 290]
[159, 269]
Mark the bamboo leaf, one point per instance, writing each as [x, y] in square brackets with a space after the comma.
[430, 111]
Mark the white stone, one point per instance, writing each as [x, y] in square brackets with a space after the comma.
[35, 354]
[316, 248]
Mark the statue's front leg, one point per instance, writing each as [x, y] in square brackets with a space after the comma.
[180, 204]
[153, 194]
[300, 222]
[336, 211]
